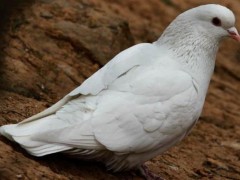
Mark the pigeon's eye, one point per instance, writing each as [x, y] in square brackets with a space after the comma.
[216, 21]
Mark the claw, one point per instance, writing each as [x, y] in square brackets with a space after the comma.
[147, 174]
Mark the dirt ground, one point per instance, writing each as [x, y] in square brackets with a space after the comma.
[48, 47]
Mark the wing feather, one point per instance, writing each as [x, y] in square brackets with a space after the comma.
[135, 126]
[131, 121]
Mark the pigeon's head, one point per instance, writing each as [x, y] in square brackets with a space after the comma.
[194, 36]
[212, 20]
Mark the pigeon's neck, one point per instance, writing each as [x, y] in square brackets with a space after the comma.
[195, 51]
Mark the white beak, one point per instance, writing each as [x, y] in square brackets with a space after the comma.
[233, 33]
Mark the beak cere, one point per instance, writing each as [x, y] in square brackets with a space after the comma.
[233, 33]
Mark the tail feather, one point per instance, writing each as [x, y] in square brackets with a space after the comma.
[4, 132]
[23, 133]
[46, 149]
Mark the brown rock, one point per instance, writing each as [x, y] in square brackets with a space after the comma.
[51, 46]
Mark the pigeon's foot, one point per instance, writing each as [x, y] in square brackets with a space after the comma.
[147, 174]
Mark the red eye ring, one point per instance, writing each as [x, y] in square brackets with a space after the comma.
[216, 21]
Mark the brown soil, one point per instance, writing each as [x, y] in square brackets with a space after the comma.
[49, 47]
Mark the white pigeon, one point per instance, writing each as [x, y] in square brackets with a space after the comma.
[141, 103]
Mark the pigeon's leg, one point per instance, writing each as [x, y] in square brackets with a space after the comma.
[147, 174]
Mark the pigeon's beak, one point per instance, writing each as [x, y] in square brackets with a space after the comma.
[233, 33]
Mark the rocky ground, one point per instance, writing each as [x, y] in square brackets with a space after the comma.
[48, 47]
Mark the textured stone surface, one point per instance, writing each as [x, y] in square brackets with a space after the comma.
[49, 47]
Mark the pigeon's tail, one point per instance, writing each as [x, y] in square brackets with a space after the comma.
[23, 134]
[3, 131]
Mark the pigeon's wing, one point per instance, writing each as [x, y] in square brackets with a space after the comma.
[100, 80]
[163, 110]
[139, 124]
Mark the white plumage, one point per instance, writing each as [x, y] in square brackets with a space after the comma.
[144, 101]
